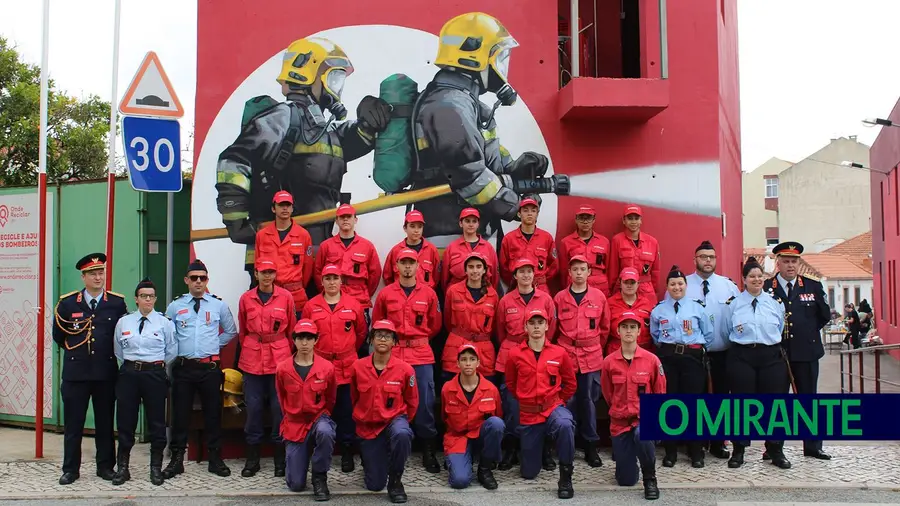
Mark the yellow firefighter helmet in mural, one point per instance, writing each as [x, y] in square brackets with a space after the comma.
[313, 59]
[475, 41]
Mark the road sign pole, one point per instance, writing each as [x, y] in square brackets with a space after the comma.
[170, 242]
[42, 240]
[111, 177]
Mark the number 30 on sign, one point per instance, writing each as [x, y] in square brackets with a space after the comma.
[152, 153]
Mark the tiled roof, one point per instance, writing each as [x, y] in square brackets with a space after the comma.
[836, 266]
[859, 246]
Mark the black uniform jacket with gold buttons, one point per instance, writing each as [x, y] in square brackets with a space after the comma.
[806, 312]
[86, 336]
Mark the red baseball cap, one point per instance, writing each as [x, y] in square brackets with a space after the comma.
[632, 209]
[468, 347]
[578, 258]
[629, 274]
[523, 262]
[283, 196]
[469, 211]
[586, 210]
[536, 312]
[384, 325]
[629, 315]
[331, 269]
[414, 217]
[528, 201]
[475, 254]
[265, 264]
[407, 254]
[306, 327]
[346, 210]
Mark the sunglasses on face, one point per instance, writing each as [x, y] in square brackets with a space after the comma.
[198, 278]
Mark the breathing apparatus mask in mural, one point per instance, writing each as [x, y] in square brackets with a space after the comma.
[495, 77]
[332, 86]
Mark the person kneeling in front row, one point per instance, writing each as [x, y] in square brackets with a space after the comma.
[628, 373]
[474, 421]
[540, 375]
[307, 390]
[385, 400]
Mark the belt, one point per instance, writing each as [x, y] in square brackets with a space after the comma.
[209, 361]
[337, 356]
[529, 407]
[680, 348]
[266, 338]
[145, 366]
[471, 336]
[413, 343]
[756, 345]
[578, 343]
[293, 287]
[516, 339]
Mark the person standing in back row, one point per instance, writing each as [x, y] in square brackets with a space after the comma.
[592, 246]
[453, 268]
[633, 248]
[531, 241]
[429, 260]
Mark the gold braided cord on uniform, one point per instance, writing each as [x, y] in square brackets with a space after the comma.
[89, 322]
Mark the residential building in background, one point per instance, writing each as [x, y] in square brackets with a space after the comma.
[759, 192]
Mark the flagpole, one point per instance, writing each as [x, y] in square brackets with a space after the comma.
[111, 176]
[42, 238]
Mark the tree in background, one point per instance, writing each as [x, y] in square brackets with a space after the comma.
[77, 128]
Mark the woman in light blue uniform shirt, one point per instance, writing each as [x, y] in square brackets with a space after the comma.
[681, 330]
[756, 363]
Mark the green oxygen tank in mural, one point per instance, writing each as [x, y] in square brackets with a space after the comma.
[394, 150]
[255, 106]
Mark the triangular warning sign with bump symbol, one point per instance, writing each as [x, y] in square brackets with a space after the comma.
[151, 93]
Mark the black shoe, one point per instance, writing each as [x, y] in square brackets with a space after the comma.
[68, 478]
[122, 474]
[395, 490]
[485, 476]
[781, 461]
[565, 490]
[510, 455]
[251, 465]
[651, 489]
[217, 465]
[347, 464]
[547, 461]
[670, 460]
[698, 464]
[737, 458]
[176, 465]
[817, 454]
[719, 451]
[429, 460]
[766, 455]
[280, 460]
[106, 474]
[320, 487]
[591, 456]
[156, 476]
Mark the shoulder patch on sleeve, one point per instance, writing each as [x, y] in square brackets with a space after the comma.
[730, 299]
[662, 372]
[412, 381]
[116, 294]
[698, 301]
[68, 294]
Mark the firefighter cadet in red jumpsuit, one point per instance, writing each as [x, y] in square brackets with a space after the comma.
[633, 248]
[385, 399]
[473, 417]
[628, 373]
[586, 242]
[266, 316]
[469, 317]
[414, 310]
[342, 330]
[453, 269]
[306, 388]
[290, 246]
[541, 376]
[628, 297]
[429, 258]
[355, 255]
[511, 315]
[582, 329]
[529, 240]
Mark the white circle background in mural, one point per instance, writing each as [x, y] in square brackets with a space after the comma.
[411, 52]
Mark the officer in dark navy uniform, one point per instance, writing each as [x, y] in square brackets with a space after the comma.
[806, 312]
[85, 324]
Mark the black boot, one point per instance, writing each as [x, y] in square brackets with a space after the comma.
[347, 464]
[486, 476]
[279, 460]
[737, 457]
[156, 475]
[429, 460]
[176, 465]
[251, 465]
[717, 449]
[122, 473]
[591, 456]
[395, 490]
[320, 487]
[565, 490]
[547, 461]
[216, 464]
[651, 489]
[510, 454]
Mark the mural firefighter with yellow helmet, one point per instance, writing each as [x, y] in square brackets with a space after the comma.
[233, 389]
[290, 145]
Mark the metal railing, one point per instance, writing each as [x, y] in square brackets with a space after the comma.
[848, 377]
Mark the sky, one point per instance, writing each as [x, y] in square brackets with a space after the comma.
[810, 70]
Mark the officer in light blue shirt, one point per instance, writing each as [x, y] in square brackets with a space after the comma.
[144, 344]
[681, 330]
[203, 325]
[756, 361]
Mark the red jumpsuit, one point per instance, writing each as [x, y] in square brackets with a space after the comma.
[342, 331]
[582, 329]
[264, 330]
[644, 258]
[417, 318]
[372, 395]
[512, 312]
[304, 401]
[539, 386]
[541, 248]
[595, 250]
[468, 321]
[642, 307]
[293, 256]
[360, 268]
[463, 419]
[429, 272]
[453, 267]
[623, 383]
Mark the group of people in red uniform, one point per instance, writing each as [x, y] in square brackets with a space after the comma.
[521, 373]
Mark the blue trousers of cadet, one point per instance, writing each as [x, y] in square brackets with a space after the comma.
[560, 426]
[343, 415]
[259, 390]
[631, 450]
[297, 455]
[510, 407]
[395, 443]
[424, 423]
[459, 465]
[584, 405]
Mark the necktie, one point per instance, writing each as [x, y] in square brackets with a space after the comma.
[144, 319]
[676, 307]
[790, 289]
[93, 304]
[705, 287]
[197, 304]
[754, 305]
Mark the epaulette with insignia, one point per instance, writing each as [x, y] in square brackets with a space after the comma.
[730, 299]
[68, 294]
[178, 297]
[215, 296]
[116, 294]
[660, 302]
[698, 301]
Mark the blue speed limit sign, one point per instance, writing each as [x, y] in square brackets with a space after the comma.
[153, 154]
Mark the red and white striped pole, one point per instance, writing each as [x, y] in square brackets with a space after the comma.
[111, 176]
[42, 239]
